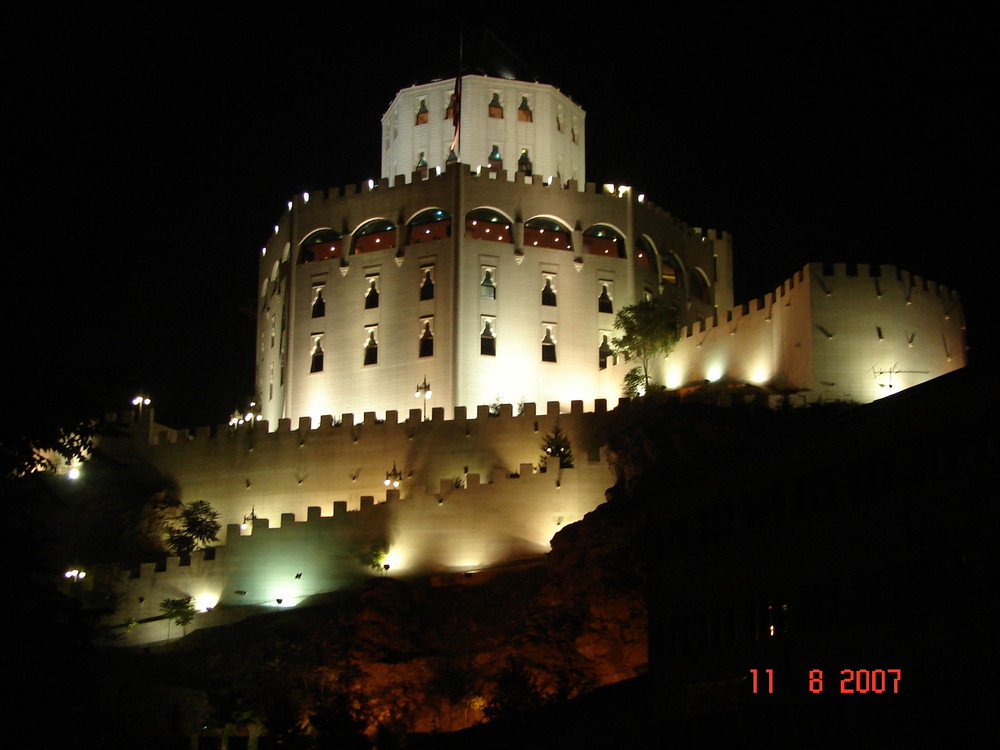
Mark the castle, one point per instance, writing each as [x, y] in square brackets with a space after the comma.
[488, 272]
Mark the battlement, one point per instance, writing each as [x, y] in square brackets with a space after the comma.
[832, 330]
[877, 277]
[453, 529]
[370, 422]
[384, 186]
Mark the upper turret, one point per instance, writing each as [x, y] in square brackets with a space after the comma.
[534, 126]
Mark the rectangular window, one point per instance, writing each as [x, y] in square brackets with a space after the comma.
[605, 296]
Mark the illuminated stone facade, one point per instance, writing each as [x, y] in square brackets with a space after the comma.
[831, 332]
[493, 284]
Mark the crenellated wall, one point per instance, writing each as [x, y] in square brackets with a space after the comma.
[512, 517]
[833, 331]
[314, 464]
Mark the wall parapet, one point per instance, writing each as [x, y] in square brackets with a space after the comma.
[370, 421]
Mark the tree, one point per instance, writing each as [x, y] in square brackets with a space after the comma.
[194, 528]
[179, 611]
[378, 550]
[556, 445]
[649, 330]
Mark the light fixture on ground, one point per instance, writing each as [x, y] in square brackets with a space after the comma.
[423, 389]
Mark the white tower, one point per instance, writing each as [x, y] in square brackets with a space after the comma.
[527, 123]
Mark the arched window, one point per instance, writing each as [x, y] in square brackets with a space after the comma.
[603, 240]
[542, 232]
[670, 270]
[377, 234]
[699, 286]
[429, 225]
[487, 224]
[644, 252]
[323, 244]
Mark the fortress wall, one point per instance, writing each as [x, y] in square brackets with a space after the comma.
[314, 465]
[878, 330]
[765, 342]
[449, 530]
[835, 331]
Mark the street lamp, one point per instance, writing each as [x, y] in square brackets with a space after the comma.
[248, 520]
[392, 477]
[423, 389]
[141, 401]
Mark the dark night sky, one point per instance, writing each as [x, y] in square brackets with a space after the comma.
[153, 152]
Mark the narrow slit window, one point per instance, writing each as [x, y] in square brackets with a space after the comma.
[371, 296]
[548, 293]
[319, 304]
[548, 346]
[488, 286]
[604, 353]
[427, 285]
[488, 339]
[371, 349]
[316, 364]
[604, 304]
[426, 340]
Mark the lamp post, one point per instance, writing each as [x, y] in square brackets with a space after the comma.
[392, 478]
[423, 389]
[141, 401]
